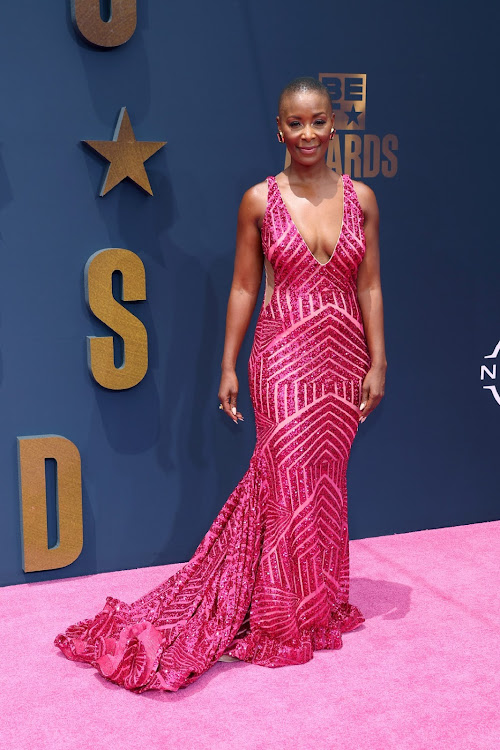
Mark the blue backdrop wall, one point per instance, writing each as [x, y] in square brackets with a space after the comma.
[159, 460]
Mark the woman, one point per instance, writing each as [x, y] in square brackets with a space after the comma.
[269, 582]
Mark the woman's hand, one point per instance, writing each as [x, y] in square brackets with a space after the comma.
[373, 391]
[228, 394]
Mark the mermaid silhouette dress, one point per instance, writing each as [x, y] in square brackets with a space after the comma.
[269, 581]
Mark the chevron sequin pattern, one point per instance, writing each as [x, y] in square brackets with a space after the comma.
[269, 582]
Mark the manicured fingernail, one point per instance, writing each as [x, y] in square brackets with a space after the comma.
[363, 405]
[233, 409]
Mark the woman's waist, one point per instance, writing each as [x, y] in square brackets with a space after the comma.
[289, 297]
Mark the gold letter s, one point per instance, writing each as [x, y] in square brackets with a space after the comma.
[99, 293]
[118, 30]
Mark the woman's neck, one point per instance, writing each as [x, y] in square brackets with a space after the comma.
[304, 174]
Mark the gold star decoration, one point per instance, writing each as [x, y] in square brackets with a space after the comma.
[126, 156]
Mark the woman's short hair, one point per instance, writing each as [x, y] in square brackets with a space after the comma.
[303, 83]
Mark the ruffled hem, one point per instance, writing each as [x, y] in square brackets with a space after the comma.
[177, 631]
[132, 654]
[266, 651]
[124, 652]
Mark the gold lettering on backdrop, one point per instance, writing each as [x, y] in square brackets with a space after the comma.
[352, 151]
[390, 164]
[32, 454]
[99, 294]
[371, 156]
[348, 95]
[357, 154]
[117, 30]
[333, 156]
[362, 155]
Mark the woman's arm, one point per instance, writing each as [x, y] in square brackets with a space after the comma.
[247, 277]
[370, 301]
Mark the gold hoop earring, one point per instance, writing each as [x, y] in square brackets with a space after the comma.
[280, 136]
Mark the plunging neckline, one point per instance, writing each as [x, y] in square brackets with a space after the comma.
[298, 231]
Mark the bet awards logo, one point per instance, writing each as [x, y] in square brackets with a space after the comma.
[490, 372]
[353, 151]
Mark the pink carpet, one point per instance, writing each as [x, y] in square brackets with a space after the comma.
[420, 673]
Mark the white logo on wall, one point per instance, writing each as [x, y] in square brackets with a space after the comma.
[489, 373]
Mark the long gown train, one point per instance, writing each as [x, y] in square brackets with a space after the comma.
[269, 581]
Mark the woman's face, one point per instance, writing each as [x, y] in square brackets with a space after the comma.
[306, 120]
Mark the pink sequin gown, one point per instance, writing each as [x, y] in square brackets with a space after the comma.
[269, 582]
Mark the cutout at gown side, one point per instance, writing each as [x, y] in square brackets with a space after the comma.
[269, 581]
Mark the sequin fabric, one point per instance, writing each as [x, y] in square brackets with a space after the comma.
[269, 582]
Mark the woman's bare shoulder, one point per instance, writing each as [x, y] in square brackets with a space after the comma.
[366, 196]
[254, 200]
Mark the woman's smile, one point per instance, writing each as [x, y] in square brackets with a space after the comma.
[308, 149]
